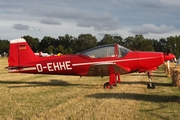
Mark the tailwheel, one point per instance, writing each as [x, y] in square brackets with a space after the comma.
[151, 86]
[107, 86]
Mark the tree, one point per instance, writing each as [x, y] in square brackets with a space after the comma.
[66, 43]
[139, 42]
[156, 46]
[177, 46]
[118, 40]
[65, 40]
[60, 49]
[174, 45]
[128, 42]
[163, 45]
[4, 46]
[146, 45]
[171, 44]
[85, 41]
[107, 39]
[46, 42]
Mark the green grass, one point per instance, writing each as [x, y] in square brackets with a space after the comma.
[27, 96]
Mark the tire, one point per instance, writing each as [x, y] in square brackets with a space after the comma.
[107, 86]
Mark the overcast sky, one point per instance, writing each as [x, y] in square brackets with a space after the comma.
[38, 18]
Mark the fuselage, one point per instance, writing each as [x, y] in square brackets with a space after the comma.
[82, 65]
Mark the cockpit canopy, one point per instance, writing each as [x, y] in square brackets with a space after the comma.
[110, 50]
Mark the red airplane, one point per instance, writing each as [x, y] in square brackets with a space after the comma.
[110, 60]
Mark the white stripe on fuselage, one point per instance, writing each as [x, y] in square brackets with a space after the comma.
[111, 61]
[28, 68]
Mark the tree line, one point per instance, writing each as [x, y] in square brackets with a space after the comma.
[68, 44]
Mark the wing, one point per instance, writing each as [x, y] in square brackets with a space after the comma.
[103, 70]
[144, 70]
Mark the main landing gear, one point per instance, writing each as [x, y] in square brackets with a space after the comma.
[150, 84]
[113, 78]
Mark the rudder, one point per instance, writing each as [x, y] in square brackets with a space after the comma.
[20, 53]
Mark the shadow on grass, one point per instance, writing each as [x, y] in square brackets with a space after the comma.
[133, 82]
[137, 74]
[145, 83]
[52, 82]
[154, 74]
[159, 75]
[162, 84]
[135, 96]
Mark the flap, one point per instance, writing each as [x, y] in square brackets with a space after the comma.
[103, 70]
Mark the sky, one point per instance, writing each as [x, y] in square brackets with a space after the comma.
[38, 18]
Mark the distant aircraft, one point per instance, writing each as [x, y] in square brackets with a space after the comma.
[110, 60]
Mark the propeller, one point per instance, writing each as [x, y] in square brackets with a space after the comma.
[169, 56]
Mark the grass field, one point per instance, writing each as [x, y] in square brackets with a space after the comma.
[57, 97]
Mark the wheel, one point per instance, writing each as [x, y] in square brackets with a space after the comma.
[107, 86]
[148, 85]
[151, 86]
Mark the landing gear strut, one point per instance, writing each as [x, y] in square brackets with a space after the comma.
[113, 78]
[150, 84]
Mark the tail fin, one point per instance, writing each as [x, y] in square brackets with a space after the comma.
[20, 53]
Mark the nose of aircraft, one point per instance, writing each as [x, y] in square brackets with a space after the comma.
[169, 57]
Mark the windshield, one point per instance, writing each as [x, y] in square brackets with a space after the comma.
[100, 51]
[122, 51]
